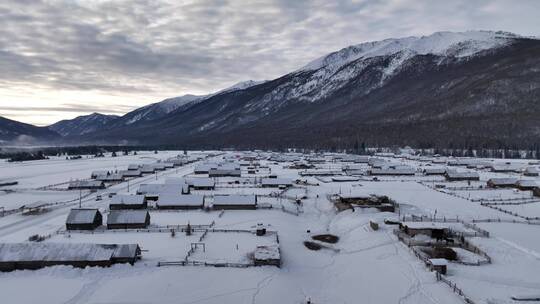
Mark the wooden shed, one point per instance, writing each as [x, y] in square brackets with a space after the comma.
[20, 256]
[128, 219]
[438, 265]
[267, 255]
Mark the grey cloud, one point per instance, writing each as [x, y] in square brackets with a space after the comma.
[147, 47]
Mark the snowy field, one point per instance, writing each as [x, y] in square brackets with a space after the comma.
[363, 266]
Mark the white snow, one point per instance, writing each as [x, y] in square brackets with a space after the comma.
[363, 266]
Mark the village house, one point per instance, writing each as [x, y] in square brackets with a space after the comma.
[183, 202]
[126, 201]
[223, 170]
[201, 183]
[133, 167]
[128, 219]
[130, 173]
[97, 173]
[527, 184]
[276, 182]
[148, 169]
[392, 171]
[111, 178]
[152, 191]
[530, 171]
[434, 171]
[32, 255]
[235, 202]
[506, 168]
[453, 175]
[84, 219]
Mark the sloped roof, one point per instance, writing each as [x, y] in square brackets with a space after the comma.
[20, 252]
[171, 199]
[235, 200]
[127, 216]
[126, 199]
[81, 216]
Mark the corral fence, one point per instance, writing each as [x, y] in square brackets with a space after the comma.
[478, 232]
[440, 277]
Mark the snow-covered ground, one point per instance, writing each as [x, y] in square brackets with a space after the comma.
[364, 266]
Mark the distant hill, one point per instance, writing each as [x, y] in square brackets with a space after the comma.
[82, 124]
[18, 132]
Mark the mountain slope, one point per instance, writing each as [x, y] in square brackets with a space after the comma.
[446, 89]
[82, 124]
[163, 108]
[17, 132]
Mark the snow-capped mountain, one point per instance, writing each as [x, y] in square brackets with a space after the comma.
[82, 124]
[160, 109]
[445, 89]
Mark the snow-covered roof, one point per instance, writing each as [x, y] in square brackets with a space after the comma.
[169, 199]
[201, 182]
[344, 178]
[21, 252]
[58, 252]
[276, 181]
[158, 188]
[127, 199]
[128, 173]
[81, 216]
[438, 262]
[127, 216]
[393, 171]
[235, 200]
[462, 174]
[270, 252]
[85, 184]
[528, 183]
[133, 167]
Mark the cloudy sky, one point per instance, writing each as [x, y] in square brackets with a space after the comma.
[61, 59]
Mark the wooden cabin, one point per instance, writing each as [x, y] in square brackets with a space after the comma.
[503, 182]
[452, 175]
[182, 202]
[84, 219]
[128, 219]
